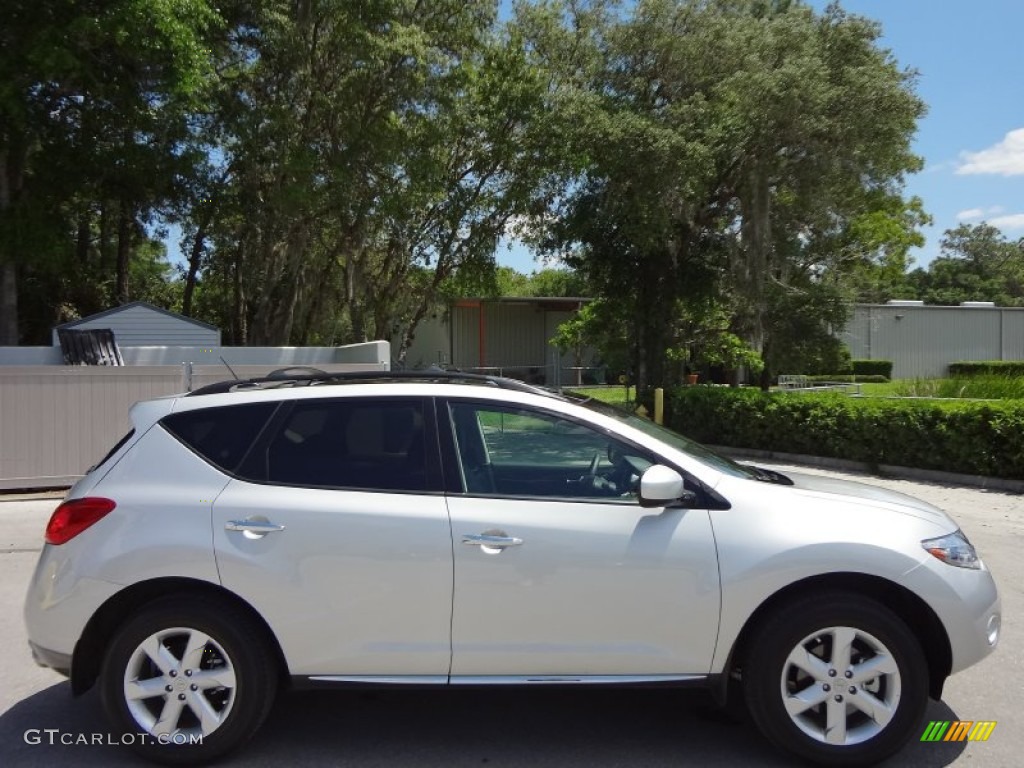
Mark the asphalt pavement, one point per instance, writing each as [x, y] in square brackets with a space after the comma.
[515, 727]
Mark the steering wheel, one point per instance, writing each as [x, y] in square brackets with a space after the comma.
[592, 471]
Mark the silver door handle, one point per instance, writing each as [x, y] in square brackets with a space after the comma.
[490, 540]
[253, 526]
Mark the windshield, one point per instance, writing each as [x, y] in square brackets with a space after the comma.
[674, 439]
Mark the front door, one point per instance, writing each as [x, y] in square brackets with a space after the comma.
[559, 572]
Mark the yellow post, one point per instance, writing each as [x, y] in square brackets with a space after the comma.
[659, 406]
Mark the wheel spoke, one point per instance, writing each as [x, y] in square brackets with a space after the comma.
[208, 717]
[842, 647]
[193, 655]
[872, 706]
[159, 654]
[145, 689]
[169, 715]
[214, 678]
[835, 722]
[811, 696]
[881, 664]
[807, 662]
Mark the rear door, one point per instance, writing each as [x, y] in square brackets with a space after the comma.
[337, 532]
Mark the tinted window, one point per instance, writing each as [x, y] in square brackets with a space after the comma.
[514, 452]
[358, 444]
[223, 435]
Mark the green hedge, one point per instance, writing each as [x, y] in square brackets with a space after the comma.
[847, 378]
[872, 368]
[969, 437]
[987, 368]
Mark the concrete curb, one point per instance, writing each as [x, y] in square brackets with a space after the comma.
[882, 470]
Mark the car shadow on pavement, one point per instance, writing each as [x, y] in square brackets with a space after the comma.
[494, 727]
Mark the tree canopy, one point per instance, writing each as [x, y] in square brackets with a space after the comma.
[723, 176]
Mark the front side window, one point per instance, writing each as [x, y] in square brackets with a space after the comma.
[376, 445]
[518, 452]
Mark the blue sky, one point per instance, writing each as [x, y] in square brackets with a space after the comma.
[971, 76]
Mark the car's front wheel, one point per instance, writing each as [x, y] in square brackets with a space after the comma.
[836, 678]
[187, 679]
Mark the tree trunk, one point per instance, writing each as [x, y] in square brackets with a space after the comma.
[193, 264]
[11, 178]
[124, 236]
[239, 329]
[8, 304]
[83, 237]
[755, 206]
[104, 239]
[426, 300]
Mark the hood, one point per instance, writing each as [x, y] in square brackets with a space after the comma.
[818, 485]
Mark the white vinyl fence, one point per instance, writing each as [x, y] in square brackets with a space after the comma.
[57, 421]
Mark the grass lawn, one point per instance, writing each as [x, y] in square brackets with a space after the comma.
[967, 387]
[610, 395]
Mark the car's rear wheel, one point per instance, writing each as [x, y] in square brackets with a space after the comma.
[187, 679]
[836, 678]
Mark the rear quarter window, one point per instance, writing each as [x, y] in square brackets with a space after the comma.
[221, 435]
[117, 447]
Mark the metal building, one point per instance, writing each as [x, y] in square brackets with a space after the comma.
[506, 336]
[142, 324]
[922, 340]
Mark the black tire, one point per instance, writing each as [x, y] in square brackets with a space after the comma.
[235, 644]
[820, 623]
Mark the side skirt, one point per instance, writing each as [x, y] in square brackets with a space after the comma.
[433, 681]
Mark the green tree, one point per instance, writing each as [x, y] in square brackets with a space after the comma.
[370, 151]
[976, 263]
[93, 105]
[713, 151]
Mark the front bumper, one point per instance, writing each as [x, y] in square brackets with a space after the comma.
[966, 602]
[44, 657]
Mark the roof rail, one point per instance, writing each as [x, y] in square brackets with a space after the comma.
[304, 377]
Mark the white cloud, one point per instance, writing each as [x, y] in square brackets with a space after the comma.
[1012, 221]
[1005, 158]
[975, 214]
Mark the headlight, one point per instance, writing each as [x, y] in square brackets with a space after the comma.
[955, 549]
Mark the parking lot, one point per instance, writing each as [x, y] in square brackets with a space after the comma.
[537, 728]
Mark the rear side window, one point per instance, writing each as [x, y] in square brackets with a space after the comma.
[373, 445]
[222, 435]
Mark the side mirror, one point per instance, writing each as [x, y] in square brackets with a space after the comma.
[661, 486]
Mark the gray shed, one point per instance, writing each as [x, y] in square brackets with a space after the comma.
[140, 324]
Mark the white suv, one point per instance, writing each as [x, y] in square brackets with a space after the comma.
[455, 529]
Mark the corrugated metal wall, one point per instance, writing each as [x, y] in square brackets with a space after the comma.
[516, 339]
[513, 336]
[923, 340]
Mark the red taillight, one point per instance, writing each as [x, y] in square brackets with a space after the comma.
[73, 517]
